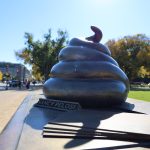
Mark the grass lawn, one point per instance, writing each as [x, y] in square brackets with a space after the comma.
[140, 95]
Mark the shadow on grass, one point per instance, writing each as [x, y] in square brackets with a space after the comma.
[139, 89]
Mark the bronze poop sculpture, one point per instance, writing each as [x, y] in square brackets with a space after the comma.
[86, 73]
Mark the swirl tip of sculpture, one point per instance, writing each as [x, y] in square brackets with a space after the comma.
[96, 38]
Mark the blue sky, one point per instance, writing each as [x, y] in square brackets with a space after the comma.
[116, 18]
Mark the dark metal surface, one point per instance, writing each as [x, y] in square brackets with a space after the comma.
[86, 73]
[24, 131]
[64, 130]
[97, 36]
[96, 93]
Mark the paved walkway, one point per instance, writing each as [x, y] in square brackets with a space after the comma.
[10, 101]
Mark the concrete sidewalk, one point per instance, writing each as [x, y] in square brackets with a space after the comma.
[10, 101]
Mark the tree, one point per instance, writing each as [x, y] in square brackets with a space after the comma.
[1, 76]
[133, 54]
[42, 55]
[36, 74]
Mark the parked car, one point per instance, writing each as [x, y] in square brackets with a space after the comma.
[34, 82]
[14, 83]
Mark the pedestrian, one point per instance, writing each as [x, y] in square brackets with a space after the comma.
[19, 84]
[7, 82]
[28, 84]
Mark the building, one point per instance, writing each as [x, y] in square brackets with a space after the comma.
[15, 71]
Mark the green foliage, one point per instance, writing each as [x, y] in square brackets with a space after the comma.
[133, 55]
[42, 55]
[1, 76]
[36, 74]
[6, 76]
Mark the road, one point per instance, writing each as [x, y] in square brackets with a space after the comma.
[10, 101]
